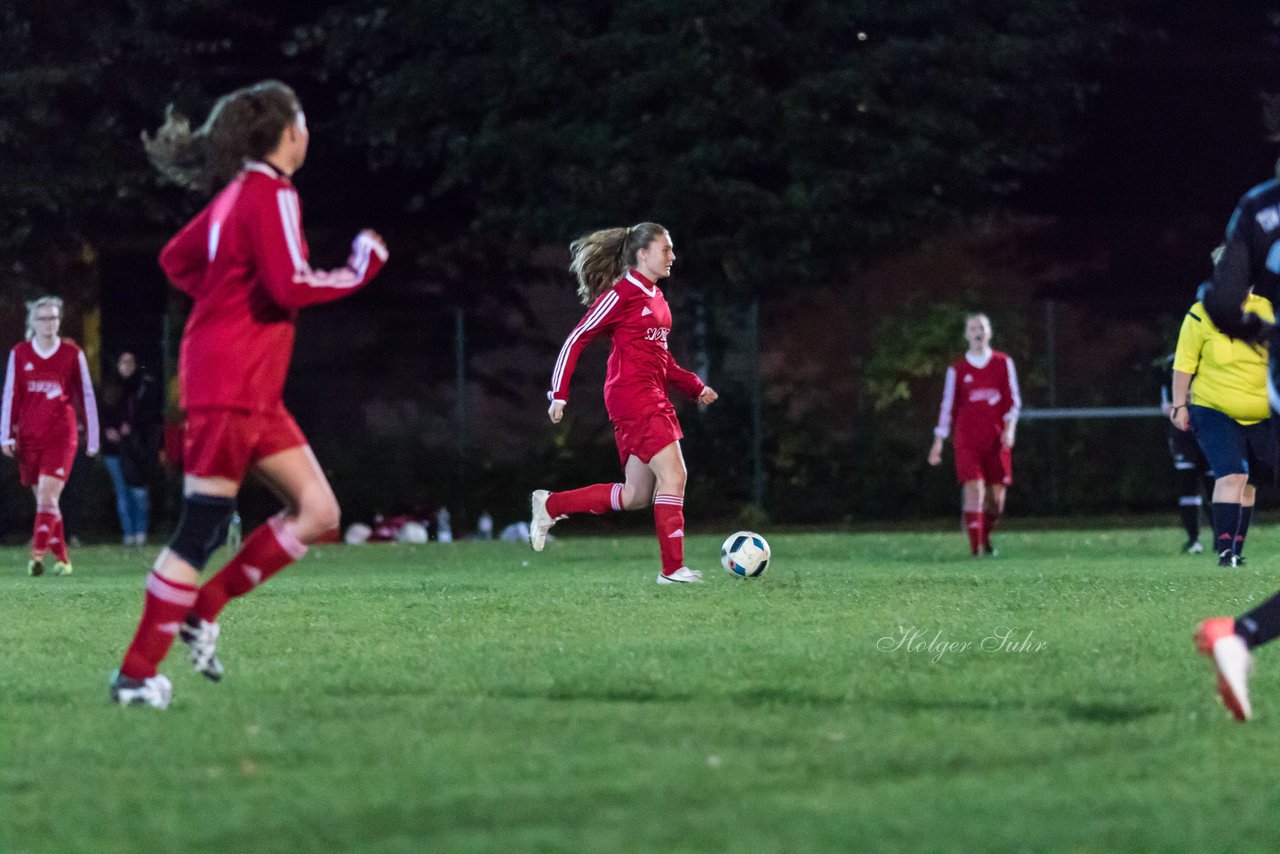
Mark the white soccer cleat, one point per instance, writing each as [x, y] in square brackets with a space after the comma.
[201, 637]
[1216, 638]
[155, 692]
[540, 522]
[683, 575]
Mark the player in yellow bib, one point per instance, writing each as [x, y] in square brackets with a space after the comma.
[1220, 393]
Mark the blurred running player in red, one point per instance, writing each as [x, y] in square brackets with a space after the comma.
[243, 261]
[982, 401]
[46, 381]
[618, 272]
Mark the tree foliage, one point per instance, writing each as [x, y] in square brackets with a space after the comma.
[782, 140]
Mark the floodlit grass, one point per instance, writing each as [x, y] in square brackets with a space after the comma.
[478, 697]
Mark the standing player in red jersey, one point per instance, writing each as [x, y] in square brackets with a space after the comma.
[46, 381]
[618, 272]
[981, 399]
[243, 261]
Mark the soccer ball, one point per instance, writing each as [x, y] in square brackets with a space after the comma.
[745, 555]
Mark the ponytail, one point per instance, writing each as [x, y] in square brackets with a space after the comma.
[603, 257]
[243, 125]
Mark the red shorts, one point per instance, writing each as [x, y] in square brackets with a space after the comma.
[47, 458]
[990, 461]
[226, 442]
[645, 435]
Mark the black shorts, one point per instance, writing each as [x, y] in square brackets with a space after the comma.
[1235, 448]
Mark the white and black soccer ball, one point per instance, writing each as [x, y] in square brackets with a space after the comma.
[745, 554]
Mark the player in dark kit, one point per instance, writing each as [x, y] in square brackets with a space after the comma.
[1194, 476]
[618, 273]
[243, 261]
[46, 381]
[1250, 258]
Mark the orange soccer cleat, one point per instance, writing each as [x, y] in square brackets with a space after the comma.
[1216, 637]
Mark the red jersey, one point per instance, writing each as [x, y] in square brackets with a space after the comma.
[243, 260]
[636, 314]
[42, 392]
[979, 397]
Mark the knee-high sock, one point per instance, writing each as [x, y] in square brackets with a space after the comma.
[989, 520]
[1262, 624]
[1189, 503]
[973, 526]
[1226, 522]
[668, 519]
[269, 549]
[597, 498]
[58, 542]
[1246, 516]
[47, 519]
[166, 603]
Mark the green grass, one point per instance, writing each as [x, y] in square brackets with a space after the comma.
[477, 697]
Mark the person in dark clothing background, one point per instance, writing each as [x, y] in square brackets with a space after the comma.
[132, 421]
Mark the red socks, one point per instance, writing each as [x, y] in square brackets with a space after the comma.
[668, 518]
[58, 542]
[973, 524]
[269, 549]
[989, 521]
[598, 498]
[48, 519]
[166, 604]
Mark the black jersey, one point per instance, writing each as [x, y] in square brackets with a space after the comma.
[1250, 259]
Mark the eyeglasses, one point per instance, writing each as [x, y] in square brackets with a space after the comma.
[47, 319]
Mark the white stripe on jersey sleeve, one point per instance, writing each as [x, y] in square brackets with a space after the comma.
[6, 409]
[943, 430]
[291, 221]
[90, 406]
[588, 323]
[1014, 394]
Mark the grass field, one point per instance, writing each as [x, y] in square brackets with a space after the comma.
[478, 697]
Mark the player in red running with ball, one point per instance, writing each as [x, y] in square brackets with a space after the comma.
[618, 271]
[46, 381]
[243, 262]
[981, 400]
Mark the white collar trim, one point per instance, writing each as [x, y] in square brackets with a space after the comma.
[977, 362]
[255, 166]
[35, 346]
[639, 284]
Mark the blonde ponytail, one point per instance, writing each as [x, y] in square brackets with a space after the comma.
[602, 257]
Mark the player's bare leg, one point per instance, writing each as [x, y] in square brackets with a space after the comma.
[668, 514]
[639, 485]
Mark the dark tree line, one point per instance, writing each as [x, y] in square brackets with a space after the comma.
[788, 145]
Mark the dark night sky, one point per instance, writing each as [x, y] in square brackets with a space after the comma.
[1170, 141]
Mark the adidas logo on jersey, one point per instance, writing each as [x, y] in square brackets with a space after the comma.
[646, 312]
[28, 367]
